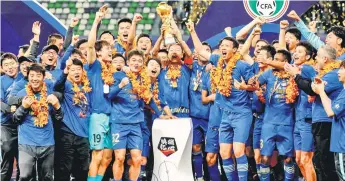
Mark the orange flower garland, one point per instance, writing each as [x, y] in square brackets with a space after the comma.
[260, 92]
[222, 78]
[107, 72]
[342, 51]
[141, 86]
[39, 108]
[155, 93]
[291, 89]
[329, 67]
[173, 73]
[81, 93]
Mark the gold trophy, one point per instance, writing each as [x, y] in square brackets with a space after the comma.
[164, 11]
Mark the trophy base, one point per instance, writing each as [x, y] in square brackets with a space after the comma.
[169, 40]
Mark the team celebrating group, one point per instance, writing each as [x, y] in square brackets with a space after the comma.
[285, 103]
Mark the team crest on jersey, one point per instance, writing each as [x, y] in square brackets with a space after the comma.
[337, 106]
[271, 10]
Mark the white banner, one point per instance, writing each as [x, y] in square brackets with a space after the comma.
[172, 149]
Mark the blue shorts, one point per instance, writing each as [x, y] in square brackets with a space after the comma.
[146, 139]
[235, 127]
[127, 136]
[249, 142]
[303, 136]
[257, 132]
[280, 136]
[212, 135]
[99, 132]
[199, 130]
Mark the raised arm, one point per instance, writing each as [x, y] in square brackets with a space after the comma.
[131, 35]
[313, 39]
[245, 49]
[69, 33]
[34, 43]
[157, 45]
[68, 52]
[196, 41]
[283, 25]
[246, 29]
[91, 52]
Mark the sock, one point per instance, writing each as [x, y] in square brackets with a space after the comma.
[99, 177]
[89, 178]
[242, 167]
[258, 169]
[265, 172]
[197, 163]
[229, 168]
[252, 166]
[214, 172]
[289, 171]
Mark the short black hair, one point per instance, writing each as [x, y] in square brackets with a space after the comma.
[24, 47]
[52, 38]
[271, 51]
[286, 54]
[79, 42]
[263, 40]
[233, 40]
[8, 55]
[78, 62]
[37, 68]
[308, 47]
[163, 51]
[143, 35]
[135, 52]
[205, 43]
[295, 32]
[274, 42]
[241, 41]
[339, 31]
[100, 44]
[118, 55]
[124, 20]
[106, 32]
[76, 51]
[155, 59]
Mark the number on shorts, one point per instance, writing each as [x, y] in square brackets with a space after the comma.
[116, 138]
[97, 138]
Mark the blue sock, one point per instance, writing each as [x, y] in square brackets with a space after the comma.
[242, 167]
[258, 169]
[229, 168]
[99, 177]
[197, 163]
[265, 172]
[89, 178]
[289, 171]
[214, 172]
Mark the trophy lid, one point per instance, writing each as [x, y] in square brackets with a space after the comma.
[163, 9]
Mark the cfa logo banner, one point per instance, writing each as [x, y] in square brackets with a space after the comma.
[271, 10]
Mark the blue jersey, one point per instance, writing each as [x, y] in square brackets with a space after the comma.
[338, 125]
[119, 48]
[126, 106]
[20, 85]
[303, 107]
[99, 101]
[29, 134]
[257, 106]
[239, 100]
[332, 89]
[75, 115]
[277, 111]
[178, 99]
[341, 57]
[197, 108]
[6, 87]
[56, 73]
